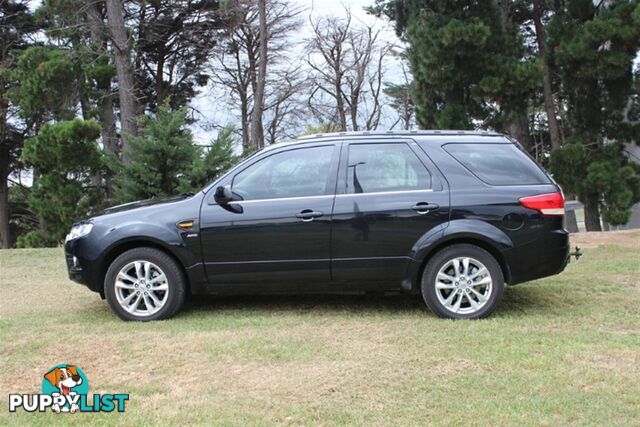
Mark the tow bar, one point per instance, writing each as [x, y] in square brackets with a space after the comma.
[577, 253]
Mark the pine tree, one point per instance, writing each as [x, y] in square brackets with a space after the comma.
[160, 157]
[46, 85]
[594, 48]
[17, 26]
[66, 155]
[209, 165]
[468, 62]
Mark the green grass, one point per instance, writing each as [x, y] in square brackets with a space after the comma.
[564, 350]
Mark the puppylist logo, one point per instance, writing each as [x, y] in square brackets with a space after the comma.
[65, 389]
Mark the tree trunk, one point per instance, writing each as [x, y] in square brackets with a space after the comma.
[4, 173]
[122, 51]
[244, 111]
[5, 238]
[257, 131]
[161, 87]
[592, 215]
[354, 111]
[407, 110]
[520, 131]
[549, 103]
[339, 99]
[106, 115]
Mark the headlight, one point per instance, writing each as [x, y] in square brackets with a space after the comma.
[79, 231]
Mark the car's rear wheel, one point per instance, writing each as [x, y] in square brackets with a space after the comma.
[462, 281]
[144, 284]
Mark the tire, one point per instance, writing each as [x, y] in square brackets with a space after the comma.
[158, 280]
[479, 288]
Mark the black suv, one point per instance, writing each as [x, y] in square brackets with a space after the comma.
[451, 215]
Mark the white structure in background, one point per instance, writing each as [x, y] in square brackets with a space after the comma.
[633, 150]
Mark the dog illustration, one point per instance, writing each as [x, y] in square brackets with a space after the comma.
[64, 378]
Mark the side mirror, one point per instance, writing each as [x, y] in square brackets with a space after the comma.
[223, 195]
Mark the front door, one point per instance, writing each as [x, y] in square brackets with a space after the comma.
[278, 230]
[389, 196]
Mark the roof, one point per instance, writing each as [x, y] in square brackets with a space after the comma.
[399, 133]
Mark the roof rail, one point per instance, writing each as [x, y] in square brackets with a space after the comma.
[400, 132]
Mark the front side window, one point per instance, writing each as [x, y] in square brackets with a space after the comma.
[374, 168]
[295, 173]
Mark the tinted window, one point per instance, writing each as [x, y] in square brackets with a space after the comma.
[498, 164]
[385, 167]
[295, 173]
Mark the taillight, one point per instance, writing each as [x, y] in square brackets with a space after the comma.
[551, 204]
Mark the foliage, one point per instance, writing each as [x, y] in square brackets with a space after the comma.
[22, 220]
[401, 100]
[159, 157]
[211, 164]
[174, 42]
[66, 156]
[66, 21]
[605, 172]
[473, 67]
[594, 51]
[47, 80]
[474, 63]
[468, 62]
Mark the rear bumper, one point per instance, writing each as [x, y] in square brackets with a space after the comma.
[547, 256]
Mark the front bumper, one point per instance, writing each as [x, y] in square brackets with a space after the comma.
[80, 268]
[74, 268]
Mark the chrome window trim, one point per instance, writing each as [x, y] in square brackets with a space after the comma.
[240, 202]
[429, 190]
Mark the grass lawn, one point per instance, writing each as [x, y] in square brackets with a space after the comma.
[564, 350]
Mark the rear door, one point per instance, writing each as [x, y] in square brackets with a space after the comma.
[389, 195]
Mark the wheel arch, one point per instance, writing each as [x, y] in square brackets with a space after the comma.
[483, 235]
[120, 247]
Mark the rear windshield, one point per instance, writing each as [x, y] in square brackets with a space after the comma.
[498, 164]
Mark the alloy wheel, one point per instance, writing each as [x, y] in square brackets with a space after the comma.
[463, 285]
[141, 288]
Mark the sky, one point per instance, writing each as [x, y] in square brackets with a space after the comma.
[211, 110]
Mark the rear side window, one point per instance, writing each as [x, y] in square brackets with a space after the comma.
[375, 168]
[498, 164]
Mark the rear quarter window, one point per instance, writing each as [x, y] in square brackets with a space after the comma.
[498, 164]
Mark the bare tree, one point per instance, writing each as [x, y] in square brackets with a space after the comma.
[347, 63]
[237, 68]
[124, 70]
[232, 74]
[283, 108]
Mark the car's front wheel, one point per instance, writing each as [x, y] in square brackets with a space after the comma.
[462, 281]
[144, 284]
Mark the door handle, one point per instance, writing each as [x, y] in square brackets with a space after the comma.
[308, 215]
[423, 208]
